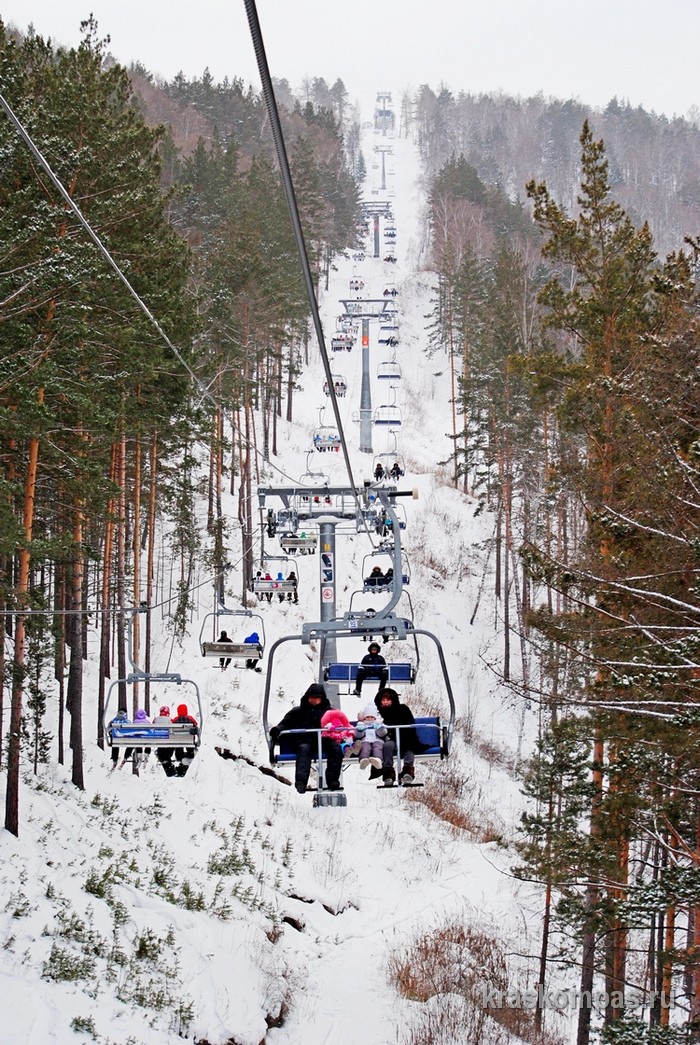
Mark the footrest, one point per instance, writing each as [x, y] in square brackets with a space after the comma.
[329, 798]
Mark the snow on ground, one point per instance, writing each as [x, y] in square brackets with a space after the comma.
[151, 910]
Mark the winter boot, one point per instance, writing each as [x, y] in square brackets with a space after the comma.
[388, 776]
[407, 775]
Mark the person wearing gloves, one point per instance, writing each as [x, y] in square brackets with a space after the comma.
[307, 715]
[369, 738]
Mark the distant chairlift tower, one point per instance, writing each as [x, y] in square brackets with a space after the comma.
[365, 309]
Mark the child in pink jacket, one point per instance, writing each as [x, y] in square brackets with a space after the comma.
[335, 725]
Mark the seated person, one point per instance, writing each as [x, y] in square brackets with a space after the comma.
[252, 640]
[372, 666]
[164, 754]
[369, 738]
[183, 755]
[307, 715]
[120, 719]
[396, 714]
[335, 725]
[376, 577]
[224, 661]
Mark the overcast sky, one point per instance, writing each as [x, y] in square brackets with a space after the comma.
[636, 50]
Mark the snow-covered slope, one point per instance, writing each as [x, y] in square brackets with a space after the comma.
[221, 907]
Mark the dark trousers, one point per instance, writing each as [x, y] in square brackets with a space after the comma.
[333, 754]
[389, 754]
[379, 673]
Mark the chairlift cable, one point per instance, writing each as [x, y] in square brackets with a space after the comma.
[36, 152]
[28, 140]
[283, 160]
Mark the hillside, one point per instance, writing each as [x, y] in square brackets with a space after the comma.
[223, 908]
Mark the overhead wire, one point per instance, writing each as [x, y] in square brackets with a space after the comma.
[203, 390]
[288, 185]
[72, 205]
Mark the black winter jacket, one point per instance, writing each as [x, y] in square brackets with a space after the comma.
[399, 715]
[304, 716]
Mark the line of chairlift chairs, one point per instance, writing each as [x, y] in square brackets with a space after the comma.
[378, 570]
[184, 739]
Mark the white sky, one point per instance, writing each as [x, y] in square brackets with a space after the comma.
[633, 49]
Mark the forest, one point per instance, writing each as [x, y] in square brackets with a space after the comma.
[563, 245]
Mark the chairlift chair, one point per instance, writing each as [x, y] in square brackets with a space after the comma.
[235, 648]
[436, 733]
[167, 739]
[388, 460]
[299, 542]
[326, 438]
[389, 371]
[310, 478]
[275, 585]
[339, 386]
[380, 582]
[388, 415]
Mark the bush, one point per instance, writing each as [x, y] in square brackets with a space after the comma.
[65, 965]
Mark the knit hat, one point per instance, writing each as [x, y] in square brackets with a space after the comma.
[165, 710]
[374, 646]
[368, 712]
[316, 689]
[182, 709]
[140, 716]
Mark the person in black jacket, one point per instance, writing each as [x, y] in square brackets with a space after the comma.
[396, 714]
[372, 666]
[307, 715]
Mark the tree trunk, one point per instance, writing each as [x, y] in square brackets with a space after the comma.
[136, 563]
[75, 668]
[105, 603]
[18, 665]
[588, 942]
[150, 557]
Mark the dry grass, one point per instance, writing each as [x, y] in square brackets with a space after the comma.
[449, 970]
[449, 795]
